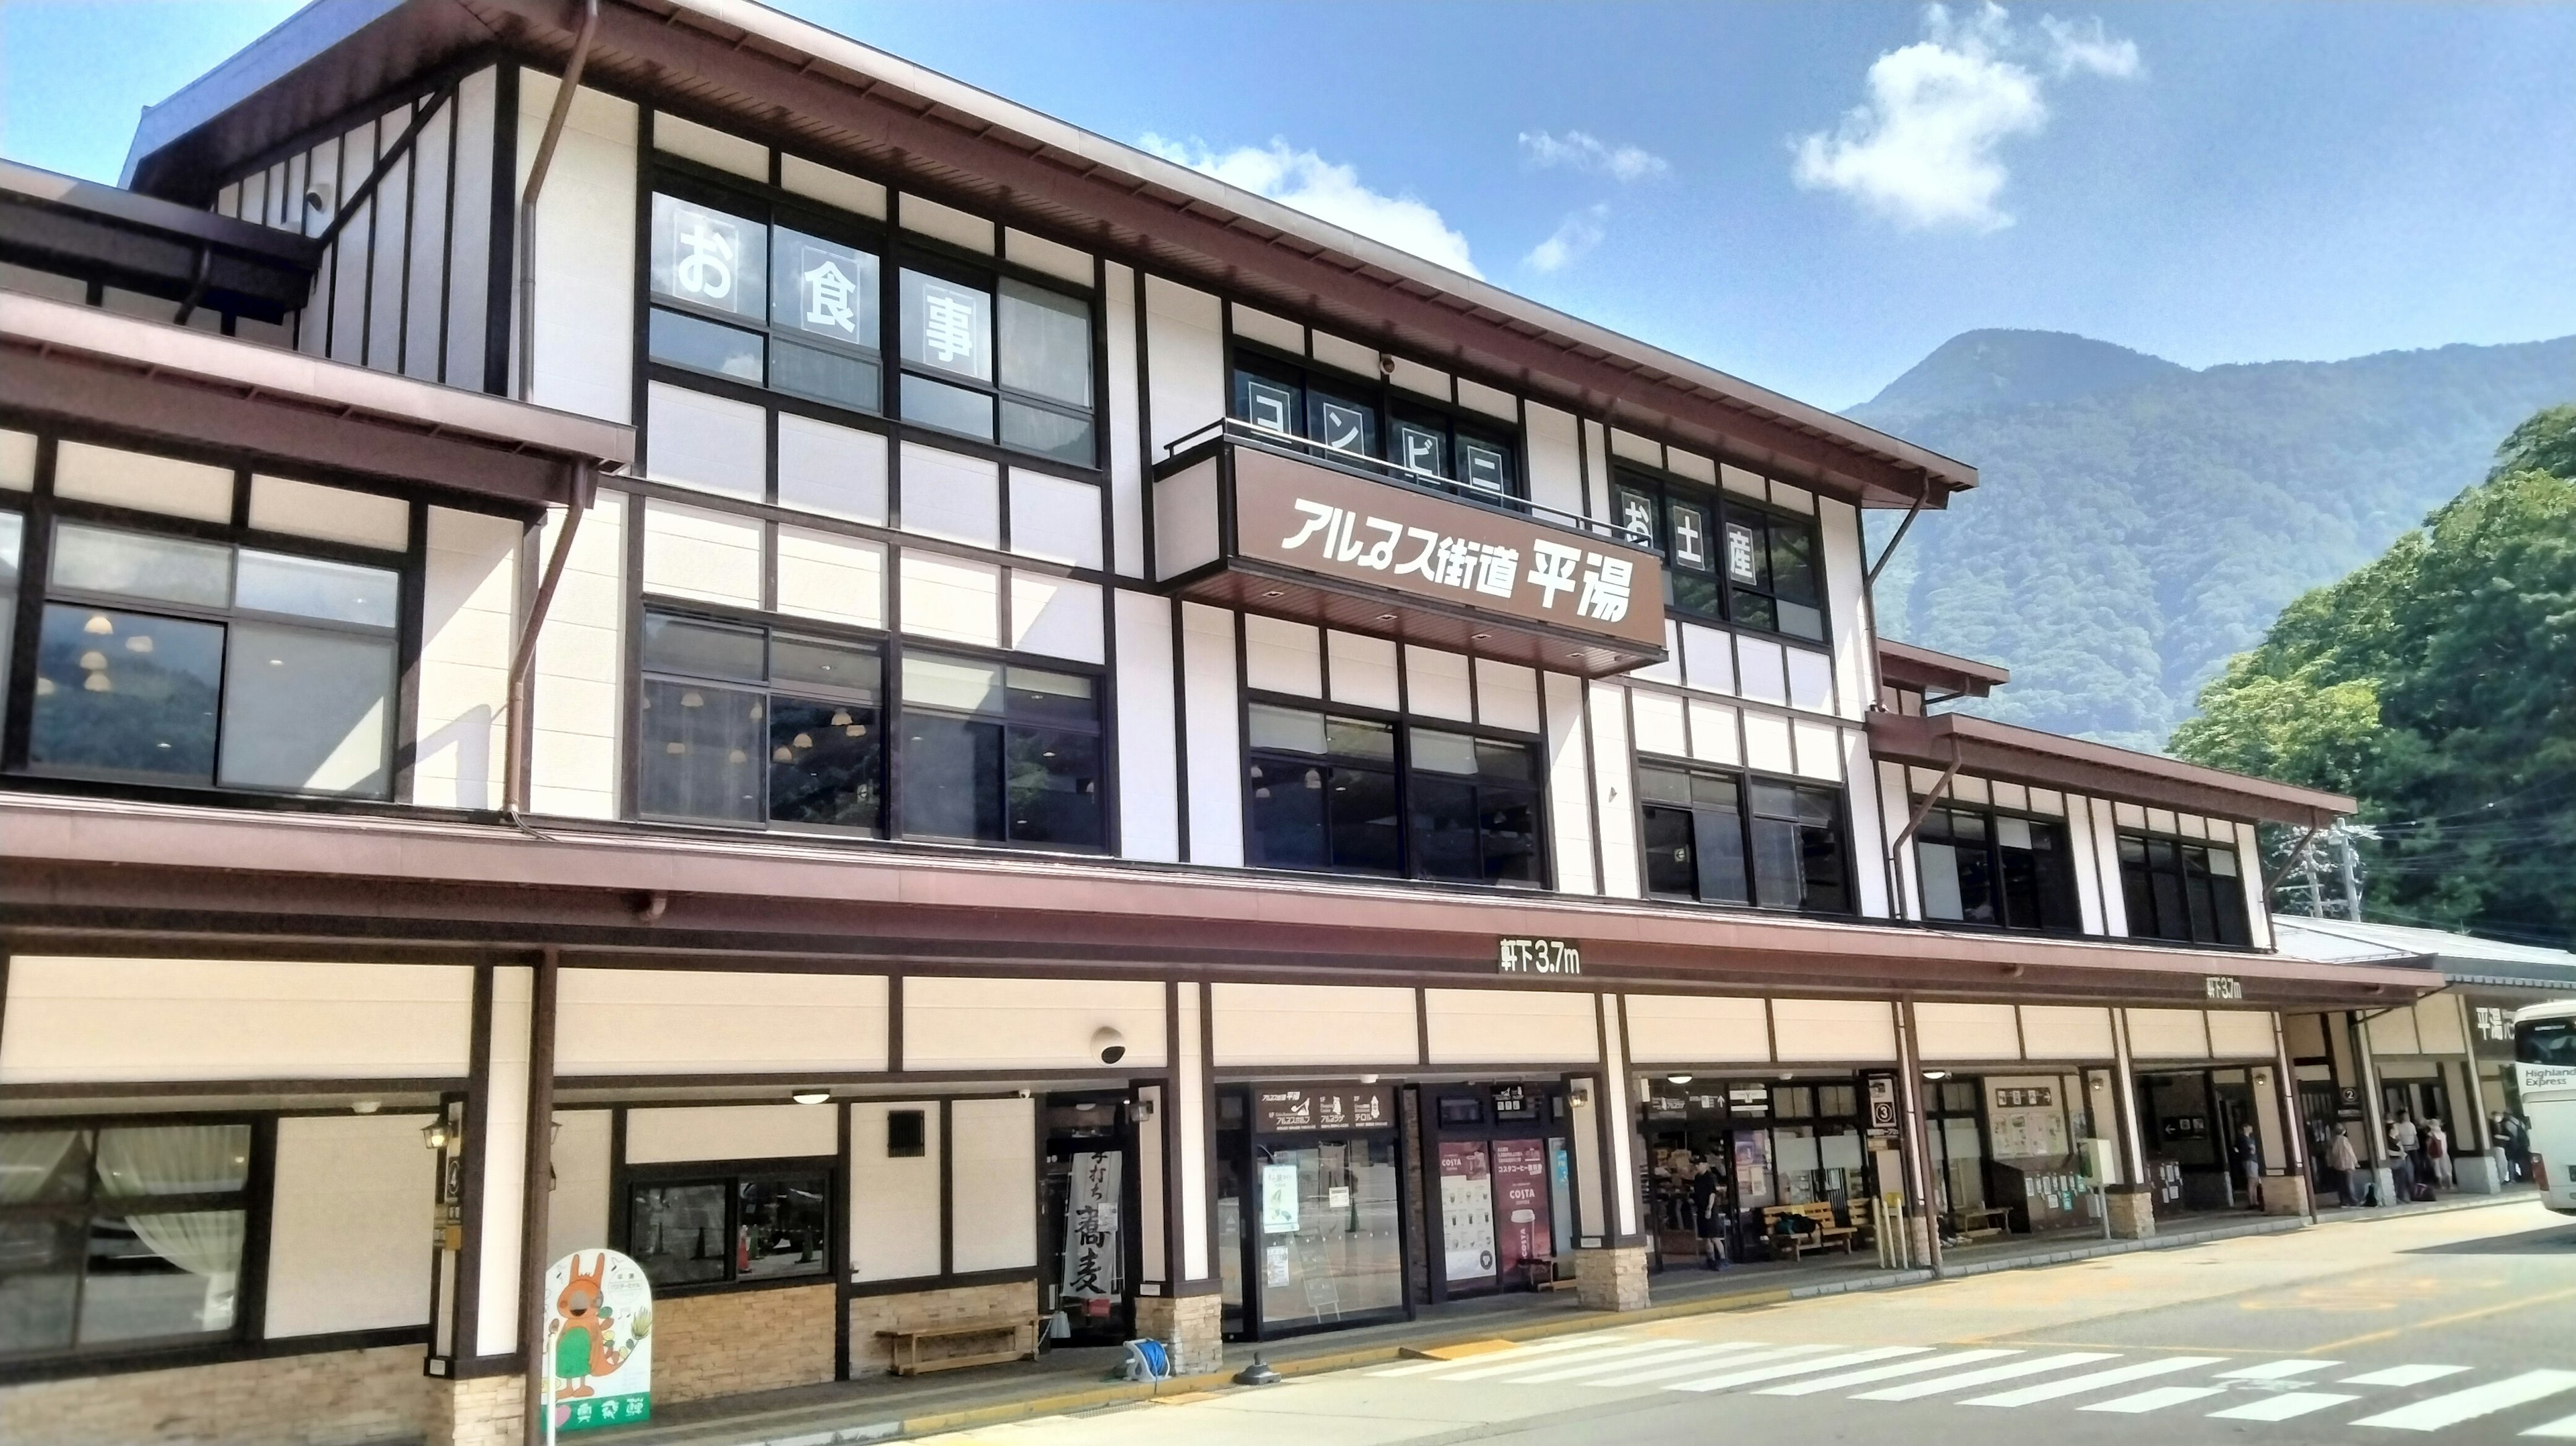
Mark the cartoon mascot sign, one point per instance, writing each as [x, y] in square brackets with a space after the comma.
[599, 1342]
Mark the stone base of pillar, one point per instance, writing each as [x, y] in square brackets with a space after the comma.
[2383, 1181]
[2285, 1195]
[2133, 1212]
[1611, 1277]
[1191, 1328]
[2477, 1174]
[1918, 1240]
[482, 1411]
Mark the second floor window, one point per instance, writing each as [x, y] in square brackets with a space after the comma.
[1364, 420]
[772, 305]
[1727, 558]
[175, 660]
[1981, 868]
[741, 725]
[1339, 794]
[1000, 753]
[1721, 838]
[2182, 890]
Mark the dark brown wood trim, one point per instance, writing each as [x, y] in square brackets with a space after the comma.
[81, 1367]
[478, 1121]
[536, 1180]
[924, 1284]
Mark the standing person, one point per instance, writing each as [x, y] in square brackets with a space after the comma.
[2517, 1146]
[1711, 1216]
[2249, 1164]
[2345, 1162]
[2437, 1154]
[2401, 1158]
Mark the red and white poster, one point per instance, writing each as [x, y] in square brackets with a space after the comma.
[1466, 1212]
[1520, 1203]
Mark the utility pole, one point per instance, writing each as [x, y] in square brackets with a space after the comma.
[2351, 867]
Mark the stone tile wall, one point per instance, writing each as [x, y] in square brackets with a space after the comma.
[328, 1398]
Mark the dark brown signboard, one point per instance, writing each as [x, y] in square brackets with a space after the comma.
[1317, 1109]
[1301, 515]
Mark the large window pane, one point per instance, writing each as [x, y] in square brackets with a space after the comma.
[1046, 344]
[152, 1276]
[308, 710]
[1444, 826]
[1049, 434]
[825, 763]
[952, 778]
[825, 375]
[1367, 825]
[164, 569]
[1290, 728]
[701, 649]
[708, 258]
[1717, 842]
[704, 752]
[1938, 864]
[785, 1228]
[1444, 752]
[1054, 787]
[951, 409]
[1776, 851]
[947, 327]
[1485, 466]
[825, 289]
[1344, 426]
[1422, 448]
[706, 346]
[308, 587]
[677, 1232]
[1825, 871]
[40, 1267]
[1271, 405]
[1670, 873]
[1507, 828]
[1284, 805]
[127, 695]
[810, 662]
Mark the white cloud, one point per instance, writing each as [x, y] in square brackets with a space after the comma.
[1923, 149]
[1584, 153]
[1579, 232]
[1327, 192]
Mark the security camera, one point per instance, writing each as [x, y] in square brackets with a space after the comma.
[1109, 1044]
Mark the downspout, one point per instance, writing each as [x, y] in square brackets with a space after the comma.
[514, 779]
[1896, 846]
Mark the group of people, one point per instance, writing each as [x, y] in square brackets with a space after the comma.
[2420, 1157]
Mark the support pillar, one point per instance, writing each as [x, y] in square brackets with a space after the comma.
[2476, 1159]
[2130, 1206]
[1611, 1277]
[1922, 1216]
[1191, 1328]
[1180, 1301]
[2292, 1178]
[1610, 1268]
[478, 1394]
[2373, 1113]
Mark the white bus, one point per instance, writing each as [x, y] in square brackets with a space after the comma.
[2544, 1052]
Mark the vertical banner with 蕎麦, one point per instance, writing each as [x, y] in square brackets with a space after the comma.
[599, 1342]
[1091, 1249]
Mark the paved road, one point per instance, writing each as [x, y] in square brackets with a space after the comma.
[2456, 1327]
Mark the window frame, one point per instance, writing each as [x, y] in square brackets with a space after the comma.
[1390, 406]
[1744, 780]
[771, 213]
[1721, 507]
[1402, 767]
[730, 1176]
[1993, 848]
[2226, 906]
[1101, 686]
[770, 626]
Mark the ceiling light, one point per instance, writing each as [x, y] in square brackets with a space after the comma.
[1936, 1074]
[810, 1097]
[1274, 592]
[1368, 1079]
[1677, 1079]
[366, 1107]
[1386, 617]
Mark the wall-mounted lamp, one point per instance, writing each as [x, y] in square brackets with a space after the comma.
[436, 1135]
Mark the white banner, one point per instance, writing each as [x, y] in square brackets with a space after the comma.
[1091, 1247]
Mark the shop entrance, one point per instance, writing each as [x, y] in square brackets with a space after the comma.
[1794, 1148]
[1499, 1171]
[2186, 1121]
[1088, 1190]
[1310, 1209]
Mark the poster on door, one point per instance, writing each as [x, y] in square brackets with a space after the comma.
[599, 1342]
[1752, 1168]
[1091, 1250]
[1466, 1211]
[1520, 1199]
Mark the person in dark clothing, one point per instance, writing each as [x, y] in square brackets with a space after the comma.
[1709, 1214]
[2249, 1165]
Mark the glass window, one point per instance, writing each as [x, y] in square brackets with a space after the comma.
[815, 297]
[1430, 445]
[726, 1228]
[1046, 344]
[1798, 857]
[120, 1236]
[280, 677]
[1343, 424]
[1474, 810]
[1694, 835]
[1982, 868]
[996, 753]
[13, 540]
[741, 725]
[709, 258]
[947, 327]
[2181, 890]
[1321, 793]
[706, 346]
[826, 290]
[1727, 558]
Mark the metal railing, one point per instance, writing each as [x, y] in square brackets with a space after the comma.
[1241, 433]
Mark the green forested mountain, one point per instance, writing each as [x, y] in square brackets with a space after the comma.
[2437, 684]
[2139, 522]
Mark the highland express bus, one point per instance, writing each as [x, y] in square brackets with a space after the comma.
[2544, 1052]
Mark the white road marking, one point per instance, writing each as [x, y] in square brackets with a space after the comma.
[2283, 1406]
[1479, 1372]
[2094, 1380]
[1585, 1341]
[2277, 1370]
[1885, 1373]
[2474, 1402]
[1797, 1368]
[1558, 1371]
[1667, 1371]
[2155, 1400]
[2401, 1376]
[2562, 1429]
[1912, 1390]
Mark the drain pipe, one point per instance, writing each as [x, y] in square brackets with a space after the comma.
[515, 749]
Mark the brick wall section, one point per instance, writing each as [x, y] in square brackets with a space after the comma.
[1611, 1278]
[744, 1340]
[870, 1314]
[1192, 1326]
[328, 1398]
[483, 1411]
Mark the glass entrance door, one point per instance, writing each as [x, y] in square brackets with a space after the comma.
[1325, 1224]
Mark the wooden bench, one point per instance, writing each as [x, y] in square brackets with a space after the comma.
[907, 1344]
[1827, 1234]
[1978, 1222]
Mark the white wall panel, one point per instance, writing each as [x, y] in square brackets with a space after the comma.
[1211, 736]
[693, 439]
[833, 188]
[1868, 841]
[18, 461]
[2167, 1034]
[1190, 1091]
[951, 599]
[1795, 499]
[1149, 817]
[1819, 749]
[1361, 671]
[585, 262]
[1761, 670]
[2106, 864]
[2247, 1033]
[1053, 258]
[1184, 361]
[1697, 1029]
[1282, 657]
[1613, 781]
[1277, 331]
[2088, 872]
[334, 514]
[692, 552]
[505, 1145]
[1055, 518]
[1833, 1029]
[1056, 616]
[1185, 519]
[1716, 734]
[2073, 1033]
[1349, 356]
[730, 1132]
[1966, 1031]
[2392, 1033]
[1414, 377]
[349, 1224]
[1657, 718]
[580, 669]
[1811, 680]
[684, 1021]
[1437, 684]
[1736, 479]
[1766, 743]
[577, 1216]
[1596, 462]
[894, 1202]
[1669, 671]
[1555, 461]
[831, 576]
[468, 631]
[86, 472]
[1569, 785]
[1691, 465]
[993, 1222]
[1507, 696]
[708, 147]
[1636, 448]
[1492, 401]
[1854, 662]
[951, 495]
[837, 471]
[1510, 1026]
[951, 1023]
[83, 1019]
[1708, 659]
[1126, 447]
[1314, 1024]
[946, 223]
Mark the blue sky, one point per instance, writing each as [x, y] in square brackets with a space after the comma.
[1809, 196]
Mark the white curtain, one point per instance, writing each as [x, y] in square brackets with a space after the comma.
[184, 1160]
[28, 1159]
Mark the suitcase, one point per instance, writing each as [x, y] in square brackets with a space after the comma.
[2423, 1194]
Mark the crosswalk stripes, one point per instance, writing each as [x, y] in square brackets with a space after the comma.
[2476, 1401]
[2156, 1400]
[1686, 1355]
[1885, 1373]
[2401, 1376]
[1668, 1370]
[2094, 1380]
[1518, 1353]
[2283, 1406]
[1796, 1368]
[2277, 1370]
[2010, 1370]
[2562, 1429]
[1605, 1351]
